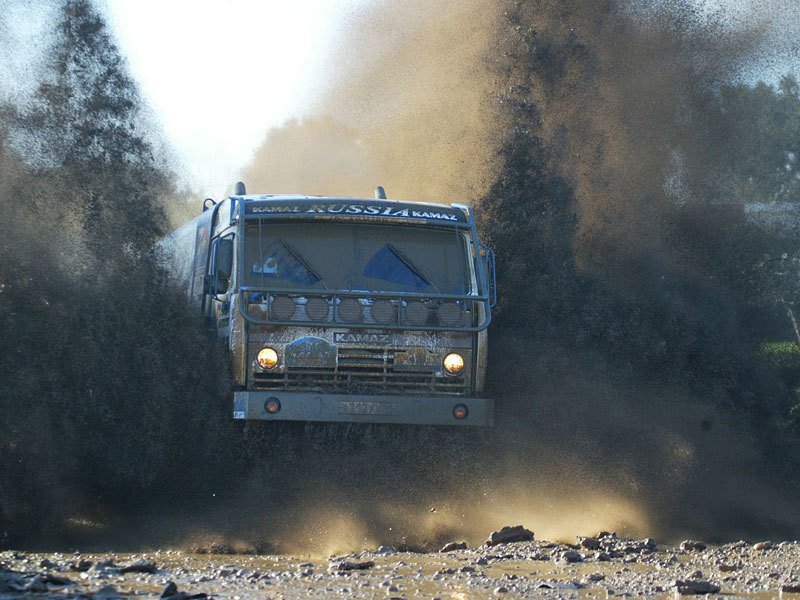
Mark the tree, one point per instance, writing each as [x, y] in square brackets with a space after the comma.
[88, 123]
[757, 134]
[96, 409]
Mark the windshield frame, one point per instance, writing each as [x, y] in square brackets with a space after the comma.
[478, 278]
[260, 243]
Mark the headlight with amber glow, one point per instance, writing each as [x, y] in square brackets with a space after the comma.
[267, 358]
[453, 363]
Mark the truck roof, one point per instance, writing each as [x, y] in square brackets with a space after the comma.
[280, 197]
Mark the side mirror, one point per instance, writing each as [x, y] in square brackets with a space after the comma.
[222, 265]
[488, 260]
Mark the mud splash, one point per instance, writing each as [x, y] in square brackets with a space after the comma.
[409, 106]
[628, 396]
[598, 114]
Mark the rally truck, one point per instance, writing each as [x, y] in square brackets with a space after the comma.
[343, 309]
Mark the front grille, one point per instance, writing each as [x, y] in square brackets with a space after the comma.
[362, 371]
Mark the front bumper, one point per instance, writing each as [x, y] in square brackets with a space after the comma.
[345, 408]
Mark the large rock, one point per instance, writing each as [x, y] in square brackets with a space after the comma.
[454, 546]
[140, 566]
[509, 534]
[355, 566]
[56, 581]
[695, 587]
[171, 593]
[34, 584]
[590, 543]
[692, 546]
[570, 556]
[762, 546]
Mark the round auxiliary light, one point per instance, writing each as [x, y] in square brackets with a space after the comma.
[460, 411]
[267, 358]
[382, 312]
[453, 363]
[450, 314]
[350, 310]
[282, 308]
[317, 309]
[273, 405]
[416, 313]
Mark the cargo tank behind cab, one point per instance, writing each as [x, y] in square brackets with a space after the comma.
[344, 309]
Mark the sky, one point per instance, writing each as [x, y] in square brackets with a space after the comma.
[218, 75]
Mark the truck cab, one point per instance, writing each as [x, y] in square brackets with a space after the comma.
[345, 309]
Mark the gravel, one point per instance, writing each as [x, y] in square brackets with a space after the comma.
[597, 566]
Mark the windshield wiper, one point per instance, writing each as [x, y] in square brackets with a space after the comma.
[414, 268]
[299, 258]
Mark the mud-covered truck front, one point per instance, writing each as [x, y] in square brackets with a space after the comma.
[344, 309]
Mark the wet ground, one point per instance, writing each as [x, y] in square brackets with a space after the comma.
[600, 566]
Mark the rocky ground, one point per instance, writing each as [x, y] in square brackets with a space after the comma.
[510, 564]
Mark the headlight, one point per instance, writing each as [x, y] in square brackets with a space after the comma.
[453, 363]
[267, 358]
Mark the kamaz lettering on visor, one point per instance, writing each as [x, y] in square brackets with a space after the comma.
[400, 211]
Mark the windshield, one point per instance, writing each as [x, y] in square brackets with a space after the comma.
[347, 256]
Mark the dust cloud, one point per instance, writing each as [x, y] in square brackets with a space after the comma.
[587, 136]
[409, 107]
